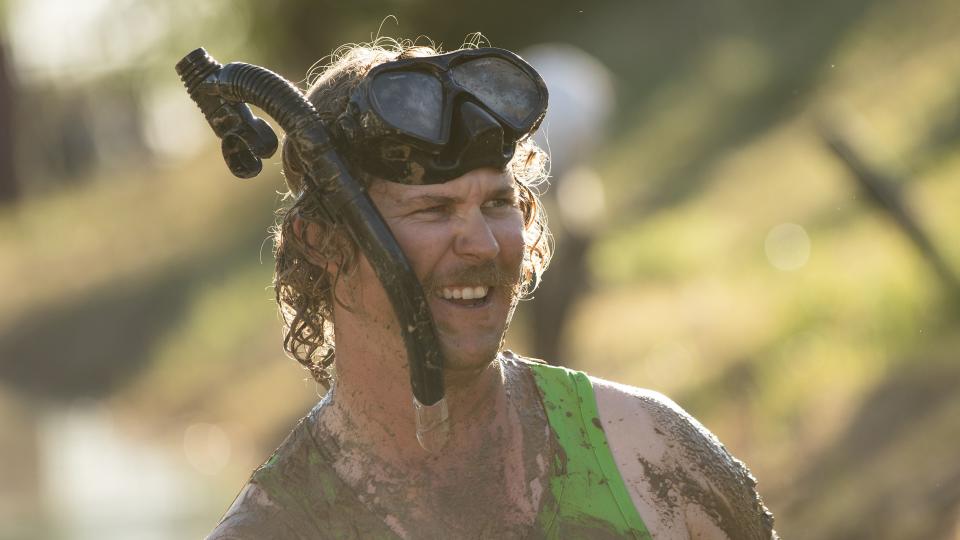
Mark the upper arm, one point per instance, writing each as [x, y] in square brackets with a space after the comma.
[253, 515]
[678, 474]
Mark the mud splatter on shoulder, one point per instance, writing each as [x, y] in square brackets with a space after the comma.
[701, 471]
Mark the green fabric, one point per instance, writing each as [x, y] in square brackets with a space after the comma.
[589, 493]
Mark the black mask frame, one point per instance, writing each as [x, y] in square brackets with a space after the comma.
[428, 120]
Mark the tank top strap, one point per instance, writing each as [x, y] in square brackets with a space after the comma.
[591, 499]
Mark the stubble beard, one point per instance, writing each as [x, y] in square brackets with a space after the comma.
[506, 286]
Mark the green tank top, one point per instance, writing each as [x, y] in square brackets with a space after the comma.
[589, 495]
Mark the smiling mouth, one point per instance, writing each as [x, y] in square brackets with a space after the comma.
[475, 296]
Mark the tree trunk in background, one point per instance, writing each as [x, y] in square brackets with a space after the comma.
[9, 188]
[562, 286]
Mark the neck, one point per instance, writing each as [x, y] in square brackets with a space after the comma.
[491, 474]
[371, 409]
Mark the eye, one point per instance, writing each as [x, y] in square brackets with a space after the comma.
[501, 202]
[438, 209]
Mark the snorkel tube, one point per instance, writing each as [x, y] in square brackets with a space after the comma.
[222, 93]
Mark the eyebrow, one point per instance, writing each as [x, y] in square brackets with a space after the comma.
[440, 200]
[430, 200]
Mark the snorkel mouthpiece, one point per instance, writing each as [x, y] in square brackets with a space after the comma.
[433, 425]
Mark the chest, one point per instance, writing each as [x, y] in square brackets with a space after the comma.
[495, 495]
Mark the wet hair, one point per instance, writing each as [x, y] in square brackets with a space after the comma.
[304, 290]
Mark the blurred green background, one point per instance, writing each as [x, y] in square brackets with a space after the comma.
[732, 259]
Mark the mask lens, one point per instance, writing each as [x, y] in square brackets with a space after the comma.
[502, 87]
[411, 101]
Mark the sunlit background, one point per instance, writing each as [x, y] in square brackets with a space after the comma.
[755, 206]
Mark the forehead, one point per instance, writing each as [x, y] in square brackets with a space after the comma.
[479, 183]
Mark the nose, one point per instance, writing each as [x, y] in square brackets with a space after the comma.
[475, 239]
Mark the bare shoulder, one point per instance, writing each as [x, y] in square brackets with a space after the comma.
[682, 479]
[252, 515]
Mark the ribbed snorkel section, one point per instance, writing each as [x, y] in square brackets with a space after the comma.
[195, 68]
[269, 91]
[205, 78]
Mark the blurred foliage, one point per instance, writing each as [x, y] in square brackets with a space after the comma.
[133, 276]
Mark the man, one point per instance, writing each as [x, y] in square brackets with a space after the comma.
[533, 451]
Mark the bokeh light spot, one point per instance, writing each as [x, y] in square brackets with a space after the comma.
[787, 246]
[581, 198]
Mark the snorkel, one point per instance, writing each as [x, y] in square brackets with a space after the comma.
[223, 91]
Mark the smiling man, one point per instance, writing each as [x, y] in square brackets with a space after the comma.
[441, 142]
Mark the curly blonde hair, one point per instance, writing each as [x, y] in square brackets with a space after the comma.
[305, 291]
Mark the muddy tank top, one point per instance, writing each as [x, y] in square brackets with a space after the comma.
[589, 495]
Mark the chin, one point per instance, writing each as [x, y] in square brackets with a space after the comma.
[469, 357]
[471, 344]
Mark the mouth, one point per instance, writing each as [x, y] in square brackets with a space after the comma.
[466, 296]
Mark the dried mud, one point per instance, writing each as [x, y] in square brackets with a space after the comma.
[710, 478]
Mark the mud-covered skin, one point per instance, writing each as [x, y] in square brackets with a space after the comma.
[494, 492]
[315, 486]
[683, 481]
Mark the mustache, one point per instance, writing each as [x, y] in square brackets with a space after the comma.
[486, 273]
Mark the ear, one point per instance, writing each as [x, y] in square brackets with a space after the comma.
[309, 234]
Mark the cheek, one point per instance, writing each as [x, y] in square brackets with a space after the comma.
[511, 239]
[353, 286]
[422, 245]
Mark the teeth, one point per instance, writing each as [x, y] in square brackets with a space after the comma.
[465, 293]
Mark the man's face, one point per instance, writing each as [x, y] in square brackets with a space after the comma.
[464, 239]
